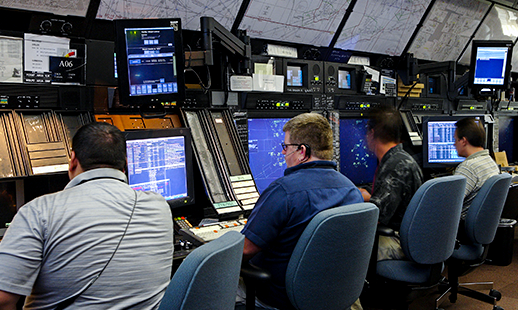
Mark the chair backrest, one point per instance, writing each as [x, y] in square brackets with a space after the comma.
[486, 208]
[429, 226]
[328, 266]
[208, 277]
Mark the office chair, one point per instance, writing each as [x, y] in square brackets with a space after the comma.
[208, 277]
[427, 234]
[328, 266]
[480, 226]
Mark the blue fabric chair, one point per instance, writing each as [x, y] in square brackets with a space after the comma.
[328, 266]
[329, 263]
[208, 277]
[480, 228]
[428, 232]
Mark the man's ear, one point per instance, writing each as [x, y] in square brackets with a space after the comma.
[73, 165]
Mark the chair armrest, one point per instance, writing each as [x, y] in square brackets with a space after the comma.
[253, 276]
[382, 230]
[254, 273]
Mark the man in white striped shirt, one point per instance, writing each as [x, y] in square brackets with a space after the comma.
[470, 138]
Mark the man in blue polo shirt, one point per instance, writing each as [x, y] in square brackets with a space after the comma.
[310, 184]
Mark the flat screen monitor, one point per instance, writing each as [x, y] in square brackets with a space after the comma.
[490, 65]
[161, 161]
[150, 61]
[439, 142]
[357, 162]
[267, 163]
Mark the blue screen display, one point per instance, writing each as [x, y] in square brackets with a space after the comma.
[490, 65]
[158, 164]
[357, 162]
[267, 163]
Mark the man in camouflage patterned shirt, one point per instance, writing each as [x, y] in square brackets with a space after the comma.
[397, 177]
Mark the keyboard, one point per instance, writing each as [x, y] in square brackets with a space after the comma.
[202, 234]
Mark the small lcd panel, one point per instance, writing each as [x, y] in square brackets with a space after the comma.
[357, 162]
[161, 161]
[294, 76]
[344, 79]
[267, 163]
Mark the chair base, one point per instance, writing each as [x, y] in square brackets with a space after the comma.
[470, 290]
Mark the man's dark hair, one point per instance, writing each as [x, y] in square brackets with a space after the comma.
[386, 122]
[100, 145]
[472, 130]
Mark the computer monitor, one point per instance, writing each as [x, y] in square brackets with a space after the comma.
[490, 65]
[357, 162]
[439, 142]
[150, 61]
[161, 161]
[267, 163]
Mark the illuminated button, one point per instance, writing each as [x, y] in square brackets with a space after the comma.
[278, 104]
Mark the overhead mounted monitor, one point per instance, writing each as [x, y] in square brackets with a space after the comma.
[150, 61]
[161, 161]
[490, 65]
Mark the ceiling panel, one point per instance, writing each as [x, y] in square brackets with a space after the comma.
[447, 29]
[190, 11]
[500, 24]
[311, 22]
[381, 26]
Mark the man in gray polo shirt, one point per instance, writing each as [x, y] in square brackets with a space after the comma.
[97, 239]
[470, 138]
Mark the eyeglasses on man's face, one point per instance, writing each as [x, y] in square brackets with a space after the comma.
[285, 146]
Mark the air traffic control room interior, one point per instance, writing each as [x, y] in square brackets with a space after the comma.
[214, 82]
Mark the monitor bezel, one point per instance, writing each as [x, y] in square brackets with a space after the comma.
[308, 67]
[490, 43]
[122, 63]
[189, 159]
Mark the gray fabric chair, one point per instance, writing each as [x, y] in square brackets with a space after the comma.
[480, 228]
[428, 232]
[208, 277]
[328, 266]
